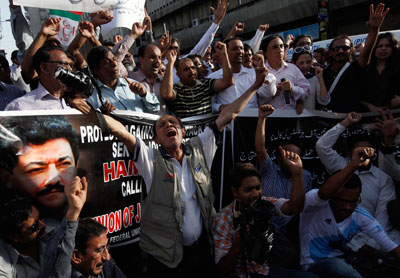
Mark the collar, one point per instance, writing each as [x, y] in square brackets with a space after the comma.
[140, 76]
[41, 92]
[284, 65]
[166, 155]
[120, 82]
[76, 274]
[372, 170]
[197, 83]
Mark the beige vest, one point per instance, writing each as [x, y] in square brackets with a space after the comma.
[162, 210]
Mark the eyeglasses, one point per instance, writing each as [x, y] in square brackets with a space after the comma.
[62, 63]
[35, 226]
[301, 49]
[342, 47]
[343, 202]
[102, 249]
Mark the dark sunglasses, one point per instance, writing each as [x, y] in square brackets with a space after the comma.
[35, 226]
[301, 49]
[343, 47]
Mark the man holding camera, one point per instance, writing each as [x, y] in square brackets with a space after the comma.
[231, 248]
[49, 93]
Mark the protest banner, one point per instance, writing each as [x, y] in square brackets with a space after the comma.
[88, 6]
[126, 12]
[68, 25]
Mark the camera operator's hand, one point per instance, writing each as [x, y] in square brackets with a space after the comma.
[136, 88]
[361, 156]
[107, 108]
[79, 102]
[291, 160]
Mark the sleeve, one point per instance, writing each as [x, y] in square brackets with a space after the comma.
[150, 103]
[21, 31]
[372, 228]
[143, 158]
[59, 248]
[148, 36]
[120, 49]
[210, 84]
[301, 89]
[207, 138]
[386, 194]
[13, 106]
[223, 237]
[278, 203]
[319, 98]
[388, 164]
[205, 41]
[324, 147]
[268, 90]
[312, 199]
[255, 41]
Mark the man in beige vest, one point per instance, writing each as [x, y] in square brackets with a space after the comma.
[178, 212]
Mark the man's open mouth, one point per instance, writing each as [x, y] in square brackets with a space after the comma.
[171, 133]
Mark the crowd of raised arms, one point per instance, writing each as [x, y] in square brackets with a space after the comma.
[276, 223]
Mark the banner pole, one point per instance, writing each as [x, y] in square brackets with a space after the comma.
[222, 171]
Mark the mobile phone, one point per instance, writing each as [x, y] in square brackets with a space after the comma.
[165, 27]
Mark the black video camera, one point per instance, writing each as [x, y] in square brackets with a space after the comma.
[78, 81]
[257, 229]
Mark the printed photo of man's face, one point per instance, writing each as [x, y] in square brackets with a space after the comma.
[42, 171]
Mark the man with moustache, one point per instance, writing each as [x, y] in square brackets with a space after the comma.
[26, 248]
[115, 92]
[148, 73]
[38, 158]
[91, 257]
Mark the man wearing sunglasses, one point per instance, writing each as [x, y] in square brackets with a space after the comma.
[26, 248]
[49, 93]
[332, 214]
[343, 75]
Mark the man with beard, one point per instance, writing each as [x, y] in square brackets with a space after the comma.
[38, 158]
[378, 187]
[26, 250]
[342, 76]
[115, 92]
[91, 257]
[192, 96]
[332, 213]
[148, 74]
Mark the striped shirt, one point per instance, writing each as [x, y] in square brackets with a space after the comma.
[193, 101]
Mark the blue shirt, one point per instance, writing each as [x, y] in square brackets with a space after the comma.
[276, 184]
[8, 93]
[124, 99]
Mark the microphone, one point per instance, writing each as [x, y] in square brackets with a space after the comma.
[286, 94]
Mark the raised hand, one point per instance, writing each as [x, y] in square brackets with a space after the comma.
[147, 21]
[165, 42]
[220, 12]
[289, 39]
[136, 87]
[220, 48]
[376, 17]
[138, 29]
[238, 27]
[388, 126]
[117, 39]
[291, 160]
[101, 17]
[86, 29]
[263, 27]
[265, 110]
[51, 26]
[107, 108]
[257, 60]
[261, 74]
[361, 156]
[76, 193]
[285, 86]
[319, 71]
[351, 118]
[171, 56]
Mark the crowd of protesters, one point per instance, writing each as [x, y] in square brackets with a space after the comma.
[41, 234]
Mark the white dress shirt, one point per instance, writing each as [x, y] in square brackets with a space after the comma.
[243, 81]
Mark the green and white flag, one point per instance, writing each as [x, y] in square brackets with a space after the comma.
[68, 25]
